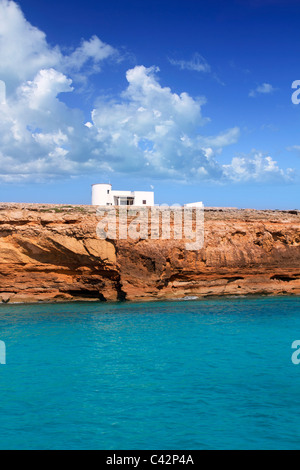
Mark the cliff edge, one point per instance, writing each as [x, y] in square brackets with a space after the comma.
[52, 253]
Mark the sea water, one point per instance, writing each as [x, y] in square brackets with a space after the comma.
[207, 374]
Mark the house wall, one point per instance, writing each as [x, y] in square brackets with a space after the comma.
[140, 196]
[122, 193]
[101, 194]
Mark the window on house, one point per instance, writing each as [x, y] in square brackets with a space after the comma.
[144, 201]
[108, 191]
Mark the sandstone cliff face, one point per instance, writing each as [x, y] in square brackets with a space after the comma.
[52, 253]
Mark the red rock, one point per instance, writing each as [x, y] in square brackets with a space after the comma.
[52, 253]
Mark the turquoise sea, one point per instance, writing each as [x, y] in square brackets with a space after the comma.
[209, 374]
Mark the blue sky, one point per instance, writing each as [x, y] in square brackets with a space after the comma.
[191, 98]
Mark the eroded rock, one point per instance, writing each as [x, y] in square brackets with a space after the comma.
[52, 253]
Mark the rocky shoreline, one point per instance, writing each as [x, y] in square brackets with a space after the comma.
[51, 253]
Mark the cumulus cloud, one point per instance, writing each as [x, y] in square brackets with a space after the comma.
[255, 167]
[147, 131]
[265, 88]
[24, 50]
[153, 129]
[94, 50]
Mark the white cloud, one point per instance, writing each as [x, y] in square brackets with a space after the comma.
[148, 131]
[156, 131]
[265, 88]
[225, 138]
[57, 138]
[255, 167]
[41, 92]
[24, 50]
[197, 63]
[94, 50]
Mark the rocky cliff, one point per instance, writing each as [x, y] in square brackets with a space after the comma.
[52, 253]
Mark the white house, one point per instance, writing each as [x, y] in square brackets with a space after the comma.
[103, 195]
